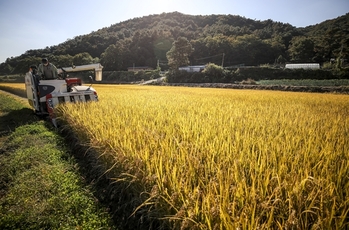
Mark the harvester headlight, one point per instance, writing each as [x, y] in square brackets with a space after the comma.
[50, 103]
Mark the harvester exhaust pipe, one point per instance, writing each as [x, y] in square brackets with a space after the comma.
[98, 74]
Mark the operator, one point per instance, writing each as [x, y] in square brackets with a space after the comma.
[32, 69]
[47, 70]
[36, 78]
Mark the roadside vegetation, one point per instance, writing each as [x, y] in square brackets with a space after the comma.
[306, 82]
[40, 183]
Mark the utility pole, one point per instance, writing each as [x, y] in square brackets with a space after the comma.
[223, 60]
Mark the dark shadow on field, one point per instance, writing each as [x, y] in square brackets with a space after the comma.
[15, 91]
[121, 198]
[15, 118]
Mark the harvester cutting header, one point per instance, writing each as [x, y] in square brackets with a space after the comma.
[44, 93]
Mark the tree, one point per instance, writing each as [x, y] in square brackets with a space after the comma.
[251, 50]
[179, 53]
[281, 60]
[142, 50]
[82, 59]
[214, 73]
[62, 60]
[112, 58]
[301, 49]
[5, 68]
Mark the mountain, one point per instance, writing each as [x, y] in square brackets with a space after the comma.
[145, 41]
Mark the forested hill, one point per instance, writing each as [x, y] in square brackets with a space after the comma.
[227, 39]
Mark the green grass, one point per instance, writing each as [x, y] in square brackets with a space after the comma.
[40, 184]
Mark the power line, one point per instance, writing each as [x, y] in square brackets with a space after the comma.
[208, 57]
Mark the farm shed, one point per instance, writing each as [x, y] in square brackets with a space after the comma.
[193, 68]
[303, 66]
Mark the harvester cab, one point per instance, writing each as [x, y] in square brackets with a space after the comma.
[45, 95]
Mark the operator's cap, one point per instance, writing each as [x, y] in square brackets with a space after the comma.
[44, 60]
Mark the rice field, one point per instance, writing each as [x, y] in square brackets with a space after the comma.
[15, 88]
[223, 159]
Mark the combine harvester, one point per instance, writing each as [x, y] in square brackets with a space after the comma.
[45, 95]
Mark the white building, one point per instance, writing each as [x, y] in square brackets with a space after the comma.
[303, 66]
[193, 68]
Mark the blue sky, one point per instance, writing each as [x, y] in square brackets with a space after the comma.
[35, 24]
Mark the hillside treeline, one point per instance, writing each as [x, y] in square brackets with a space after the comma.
[227, 40]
